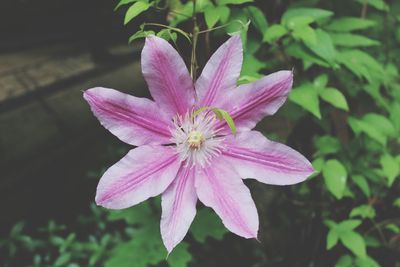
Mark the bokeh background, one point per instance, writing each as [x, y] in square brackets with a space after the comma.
[343, 115]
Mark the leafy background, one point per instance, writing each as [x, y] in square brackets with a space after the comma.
[343, 113]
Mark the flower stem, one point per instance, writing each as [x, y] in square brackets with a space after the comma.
[195, 33]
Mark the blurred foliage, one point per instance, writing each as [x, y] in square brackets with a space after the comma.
[346, 98]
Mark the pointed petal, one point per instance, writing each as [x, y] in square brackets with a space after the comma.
[167, 76]
[220, 73]
[178, 208]
[144, 172]
[249, 103]
[254, 156]
[136, 121]
[221, 188]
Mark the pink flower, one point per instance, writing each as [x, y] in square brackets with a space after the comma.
[186, 157]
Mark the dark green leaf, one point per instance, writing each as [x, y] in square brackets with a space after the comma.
[257, 17]
[307, 97]
[362, 183]
[352, 40]
[273, 33]
[347, 24]
[316, 13]
[207, 224]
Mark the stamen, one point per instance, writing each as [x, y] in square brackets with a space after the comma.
[196, 138]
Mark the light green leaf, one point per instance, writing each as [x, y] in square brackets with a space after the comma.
[140, 34]
[348, 225]
[207, 224]
[273, 33]
[321, 81]
[334, 97]
[362, 183]
[167, 34]
[378, 4]
[124, 2]
[345, 261]
[135, 10]
[366, 262]
[306, 34]
[318, 164]
[335, 177]
[390, 168]
[396, 203]
[299, 22]
[327, 145]
[352, 40]
[306, 96]
[324, 47]
[233, 2]
[301, 52]
[211, 15]
[257, 17]
[331, 239]
[364, 211]
[316, 13]
[347, 24]
[380, 122]
[359, 126]
[354, 242]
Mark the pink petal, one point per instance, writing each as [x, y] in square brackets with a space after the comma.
[254, 156]
[221, 188]
[167, 76]
[178, 207]
[144, 172]
[136, 121]
[220, 73]
[249, 103]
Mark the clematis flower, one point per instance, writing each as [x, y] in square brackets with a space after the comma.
[187, 157]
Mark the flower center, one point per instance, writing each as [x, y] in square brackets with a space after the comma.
[196, 138]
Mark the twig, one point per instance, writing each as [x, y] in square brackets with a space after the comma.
[195, 33]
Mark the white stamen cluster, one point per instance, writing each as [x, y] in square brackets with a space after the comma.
[196, 138]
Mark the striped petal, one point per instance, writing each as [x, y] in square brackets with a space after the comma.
[144, 172]
[178, 208]
[221, 188]
[220, 73]
[136, 121]
[167, 76]
[249, 103]
[254, 156]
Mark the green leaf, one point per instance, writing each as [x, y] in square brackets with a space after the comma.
[335, 177]
[352, 40]
[331, 239]
[323, 47]
[139, 214]
[361, 64]
[211, 15]
[180, 256]
[298, 22]
[299, 51]
[390, 168]
[140, 34]
[273, 33]
[354, 242]
[348, 225]
[345, 261]
[306, 96]
[62, 259]
[362, 183]
[334, 97]
[327, 145]
[315, 13]
[135, 10]
[207, 224]
[364, 211]
[378, 4]
[380, 122]
[321, 81]
[359, 126]
[123, 2]
[347, 24]
[396, 203]
[167, 34]
[306, 34]
[224, 115]
[233, 2]
[257, 17]
[366, 262]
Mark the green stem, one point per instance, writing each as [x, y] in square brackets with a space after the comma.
[195, 33]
